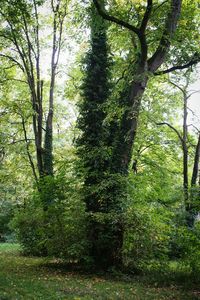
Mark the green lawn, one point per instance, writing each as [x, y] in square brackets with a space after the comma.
[34, 278]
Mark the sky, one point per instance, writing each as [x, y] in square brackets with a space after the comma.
[194, 104]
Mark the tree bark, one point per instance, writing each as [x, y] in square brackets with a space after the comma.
[122, 152]
[196, 164]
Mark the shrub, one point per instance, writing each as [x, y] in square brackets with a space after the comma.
[188, 242]
[6, 215]
[52, 223]
[147, 236]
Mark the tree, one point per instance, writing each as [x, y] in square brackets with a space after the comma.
[21, 31]
[183, 137]
[150, 53]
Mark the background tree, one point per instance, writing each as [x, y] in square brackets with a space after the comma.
[184, 139]
[21, 31]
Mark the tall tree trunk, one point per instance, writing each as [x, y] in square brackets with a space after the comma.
[48, 143]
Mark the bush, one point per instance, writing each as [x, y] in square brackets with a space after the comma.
[28, 224]
[53, 222]
[187, 240]
[147, 236]
[6, 215]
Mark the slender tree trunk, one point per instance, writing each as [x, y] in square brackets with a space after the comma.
[185, 155]
[56, 47]
[48, 145]
[28, 151]
[195, 188]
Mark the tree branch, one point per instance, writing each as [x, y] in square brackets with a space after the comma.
[146, 16]
[13, 60]
[13, 79]
[193, 62]
[183, 90]
[196, 163]
[159, 6]
[22, 140]
[170, 26]
[113, 19]
[173, 128]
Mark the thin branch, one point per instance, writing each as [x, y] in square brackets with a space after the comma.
[25, 29]
[192, 93]
[122, 77]
[59, 41]
[13, 60]
[178, 87]
[192, 125]
[9, 67]
[196, 163]
[19, 141]
[193, 113]
[173, 128]
[13, 79]
[159, 6]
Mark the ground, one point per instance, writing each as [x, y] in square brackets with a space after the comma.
[35, 278]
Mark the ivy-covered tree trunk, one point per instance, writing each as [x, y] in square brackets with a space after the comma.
[95, 154]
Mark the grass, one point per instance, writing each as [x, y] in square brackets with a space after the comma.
[35, 278]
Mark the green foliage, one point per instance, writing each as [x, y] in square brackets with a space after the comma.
[102, 189]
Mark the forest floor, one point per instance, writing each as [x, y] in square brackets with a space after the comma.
[35, 278]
